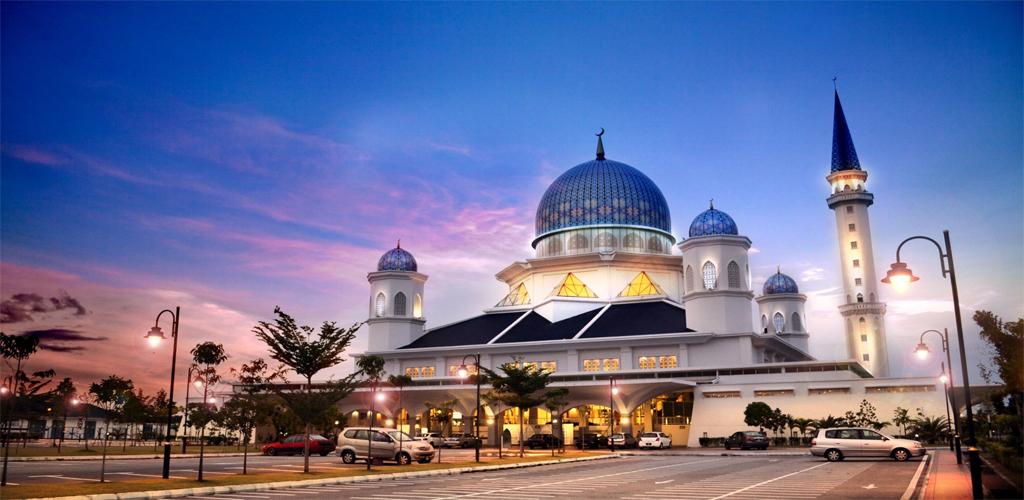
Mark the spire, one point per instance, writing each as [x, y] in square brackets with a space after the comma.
[600, 145]
[399, 245]
[844, 155]
[712, 203]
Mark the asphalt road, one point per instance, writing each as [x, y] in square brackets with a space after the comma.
[640, 477]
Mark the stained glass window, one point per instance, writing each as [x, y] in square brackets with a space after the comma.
[779, 321]
[604, 242]
[710, 276]
[646, 362]
[591, 365]
[412, 372]
[399, 304]
[641, 285]
[571, 286]
[734, 274]
[549, 366]
[633, 241]
[517, 297]
[379, 305]
[611, 364]
[667, 361]
[427, 371]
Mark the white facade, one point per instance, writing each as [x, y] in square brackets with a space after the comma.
[783, 314]
[395, 317]
[716, 281]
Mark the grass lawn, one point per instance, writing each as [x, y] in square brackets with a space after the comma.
[65, 489]
[66, 451]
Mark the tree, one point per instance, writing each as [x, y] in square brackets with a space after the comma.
[294, 346]
[520, 387]
[17, 348]
[556, 400]
[758, 414]
[372, 367]
[111, 394]
[901, 418]
[1006, 342]
[206, 356]
[251, 404]
[930, 429]
[802, 425]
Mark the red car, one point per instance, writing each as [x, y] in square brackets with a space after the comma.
[292, 445]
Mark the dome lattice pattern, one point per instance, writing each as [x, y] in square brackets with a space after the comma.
[713, 222]
[397, 259]
[780, 283]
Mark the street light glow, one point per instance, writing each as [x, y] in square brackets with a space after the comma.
[74, 402]
[922, 351]
[380, 396]
[943, 378]
[899, 276]
[154, 336]
[463, 372]
[615, 390]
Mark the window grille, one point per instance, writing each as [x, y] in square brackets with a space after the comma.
[399, 304]
[710, 276]
[734, 275]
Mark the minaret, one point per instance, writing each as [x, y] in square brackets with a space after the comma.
[396, 301]
[862, 312]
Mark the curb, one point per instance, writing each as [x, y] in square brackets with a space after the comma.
[241, 488]
[717, 454]
[122, 457]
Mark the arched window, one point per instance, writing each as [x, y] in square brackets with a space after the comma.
[578, 242]
[779, 321]
[734, 274]
[417, 306]
[604, 242]
[399, 304]
[764, 323]
[689, 279]
[872, 296]
[633, 241]
[860, 297]
[378, 305]
[654, 244]
[795, 322]
[555, 245]
[710, 276]
[863, 324]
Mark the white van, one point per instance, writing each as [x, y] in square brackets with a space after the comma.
[387, 444]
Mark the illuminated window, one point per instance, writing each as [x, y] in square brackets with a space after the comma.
[722, 394]
[858, 281]
[417, 306]
[779, 392]
[654, 244]
[667, 362]
[379, 305]
[428, 371]
[610, 364]
[453, 370]
[399, 304]
[733, 271]
[591, 365]
[516, 297]
[646, 362]
[412, 372]
[571, 286]
[856, 262]
[867, 358]
[900, 388]
[530, 365]
[853, 245]
[689, 279]
[549, 366]
[710, 276]
[853, 227]
[779, 321]
[641, 285]
[828, 390]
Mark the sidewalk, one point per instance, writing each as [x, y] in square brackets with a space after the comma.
[946, 479]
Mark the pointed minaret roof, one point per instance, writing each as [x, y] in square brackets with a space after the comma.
[844, 155]
[600, 144]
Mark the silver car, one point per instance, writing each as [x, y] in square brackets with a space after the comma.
[354, 443]
[839, 443]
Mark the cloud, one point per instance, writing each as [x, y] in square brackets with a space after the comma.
[27, 306]
[68, 158]
[812, 274]
[451, 148]
[57, 339]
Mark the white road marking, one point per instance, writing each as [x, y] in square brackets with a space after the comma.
[913, 481]
[769, 481]
[142, 475]
[58, 476]
[663, 482]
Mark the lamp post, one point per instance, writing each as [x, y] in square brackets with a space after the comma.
[922, 352]
[184, 424]
[155, 336]
[900, 275]
[949, 423]
[375, 396]
[613, 390]
[64, 424]
[463, 373]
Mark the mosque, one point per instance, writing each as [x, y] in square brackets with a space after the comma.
[647, 332]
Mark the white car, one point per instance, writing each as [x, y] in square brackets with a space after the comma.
[434, 438]
[654, 440]
[839, 443]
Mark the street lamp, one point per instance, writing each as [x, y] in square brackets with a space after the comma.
[923, 352]
[155, 336]
[377, 396]
[949, 423]
[463, 374]
[899, 275]
[612, 392]
[64, 424]
[184, 425]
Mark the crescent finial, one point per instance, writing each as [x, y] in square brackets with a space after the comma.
[599, 134]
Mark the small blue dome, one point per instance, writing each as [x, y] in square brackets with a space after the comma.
[713, 222]
[602, 192]
[780, 283]
[397, 259]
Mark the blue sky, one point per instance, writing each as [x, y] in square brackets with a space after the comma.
[233, 157]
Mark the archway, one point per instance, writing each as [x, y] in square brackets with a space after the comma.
[670, 413]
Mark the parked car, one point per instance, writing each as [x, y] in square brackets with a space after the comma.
[622, 440]
[466, 441]
[434, 438]
[746, 440]
[542, 441]
[655, 440]
[591, 440]
[839, 443]
[387, 444]
[293, 445]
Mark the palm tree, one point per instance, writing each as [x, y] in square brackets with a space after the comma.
[520, 387]
[802, 425]
[930, 429]
[900, 418]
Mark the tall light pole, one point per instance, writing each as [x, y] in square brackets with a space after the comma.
[900, 275]
[64, 425]
[613, 390]
[184, 424]
[922, 352]
[155, 336]
[463, 373]
[945, 387]
[374, 396]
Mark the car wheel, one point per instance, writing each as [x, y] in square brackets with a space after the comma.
[272, 451]
[833, 455]
[323, 453]
[403, 459]
[348, 457]
[900, 455]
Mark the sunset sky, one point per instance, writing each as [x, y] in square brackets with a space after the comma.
[228, 158]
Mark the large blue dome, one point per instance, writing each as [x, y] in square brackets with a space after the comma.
[780, 283]
[712, 222]
[599, 193]
[396, 259]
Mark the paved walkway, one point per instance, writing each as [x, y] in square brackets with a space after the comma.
[946, 479]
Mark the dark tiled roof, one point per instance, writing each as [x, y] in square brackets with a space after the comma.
[536, 327]
[478, 330]
[844, 155]
[641, 318]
